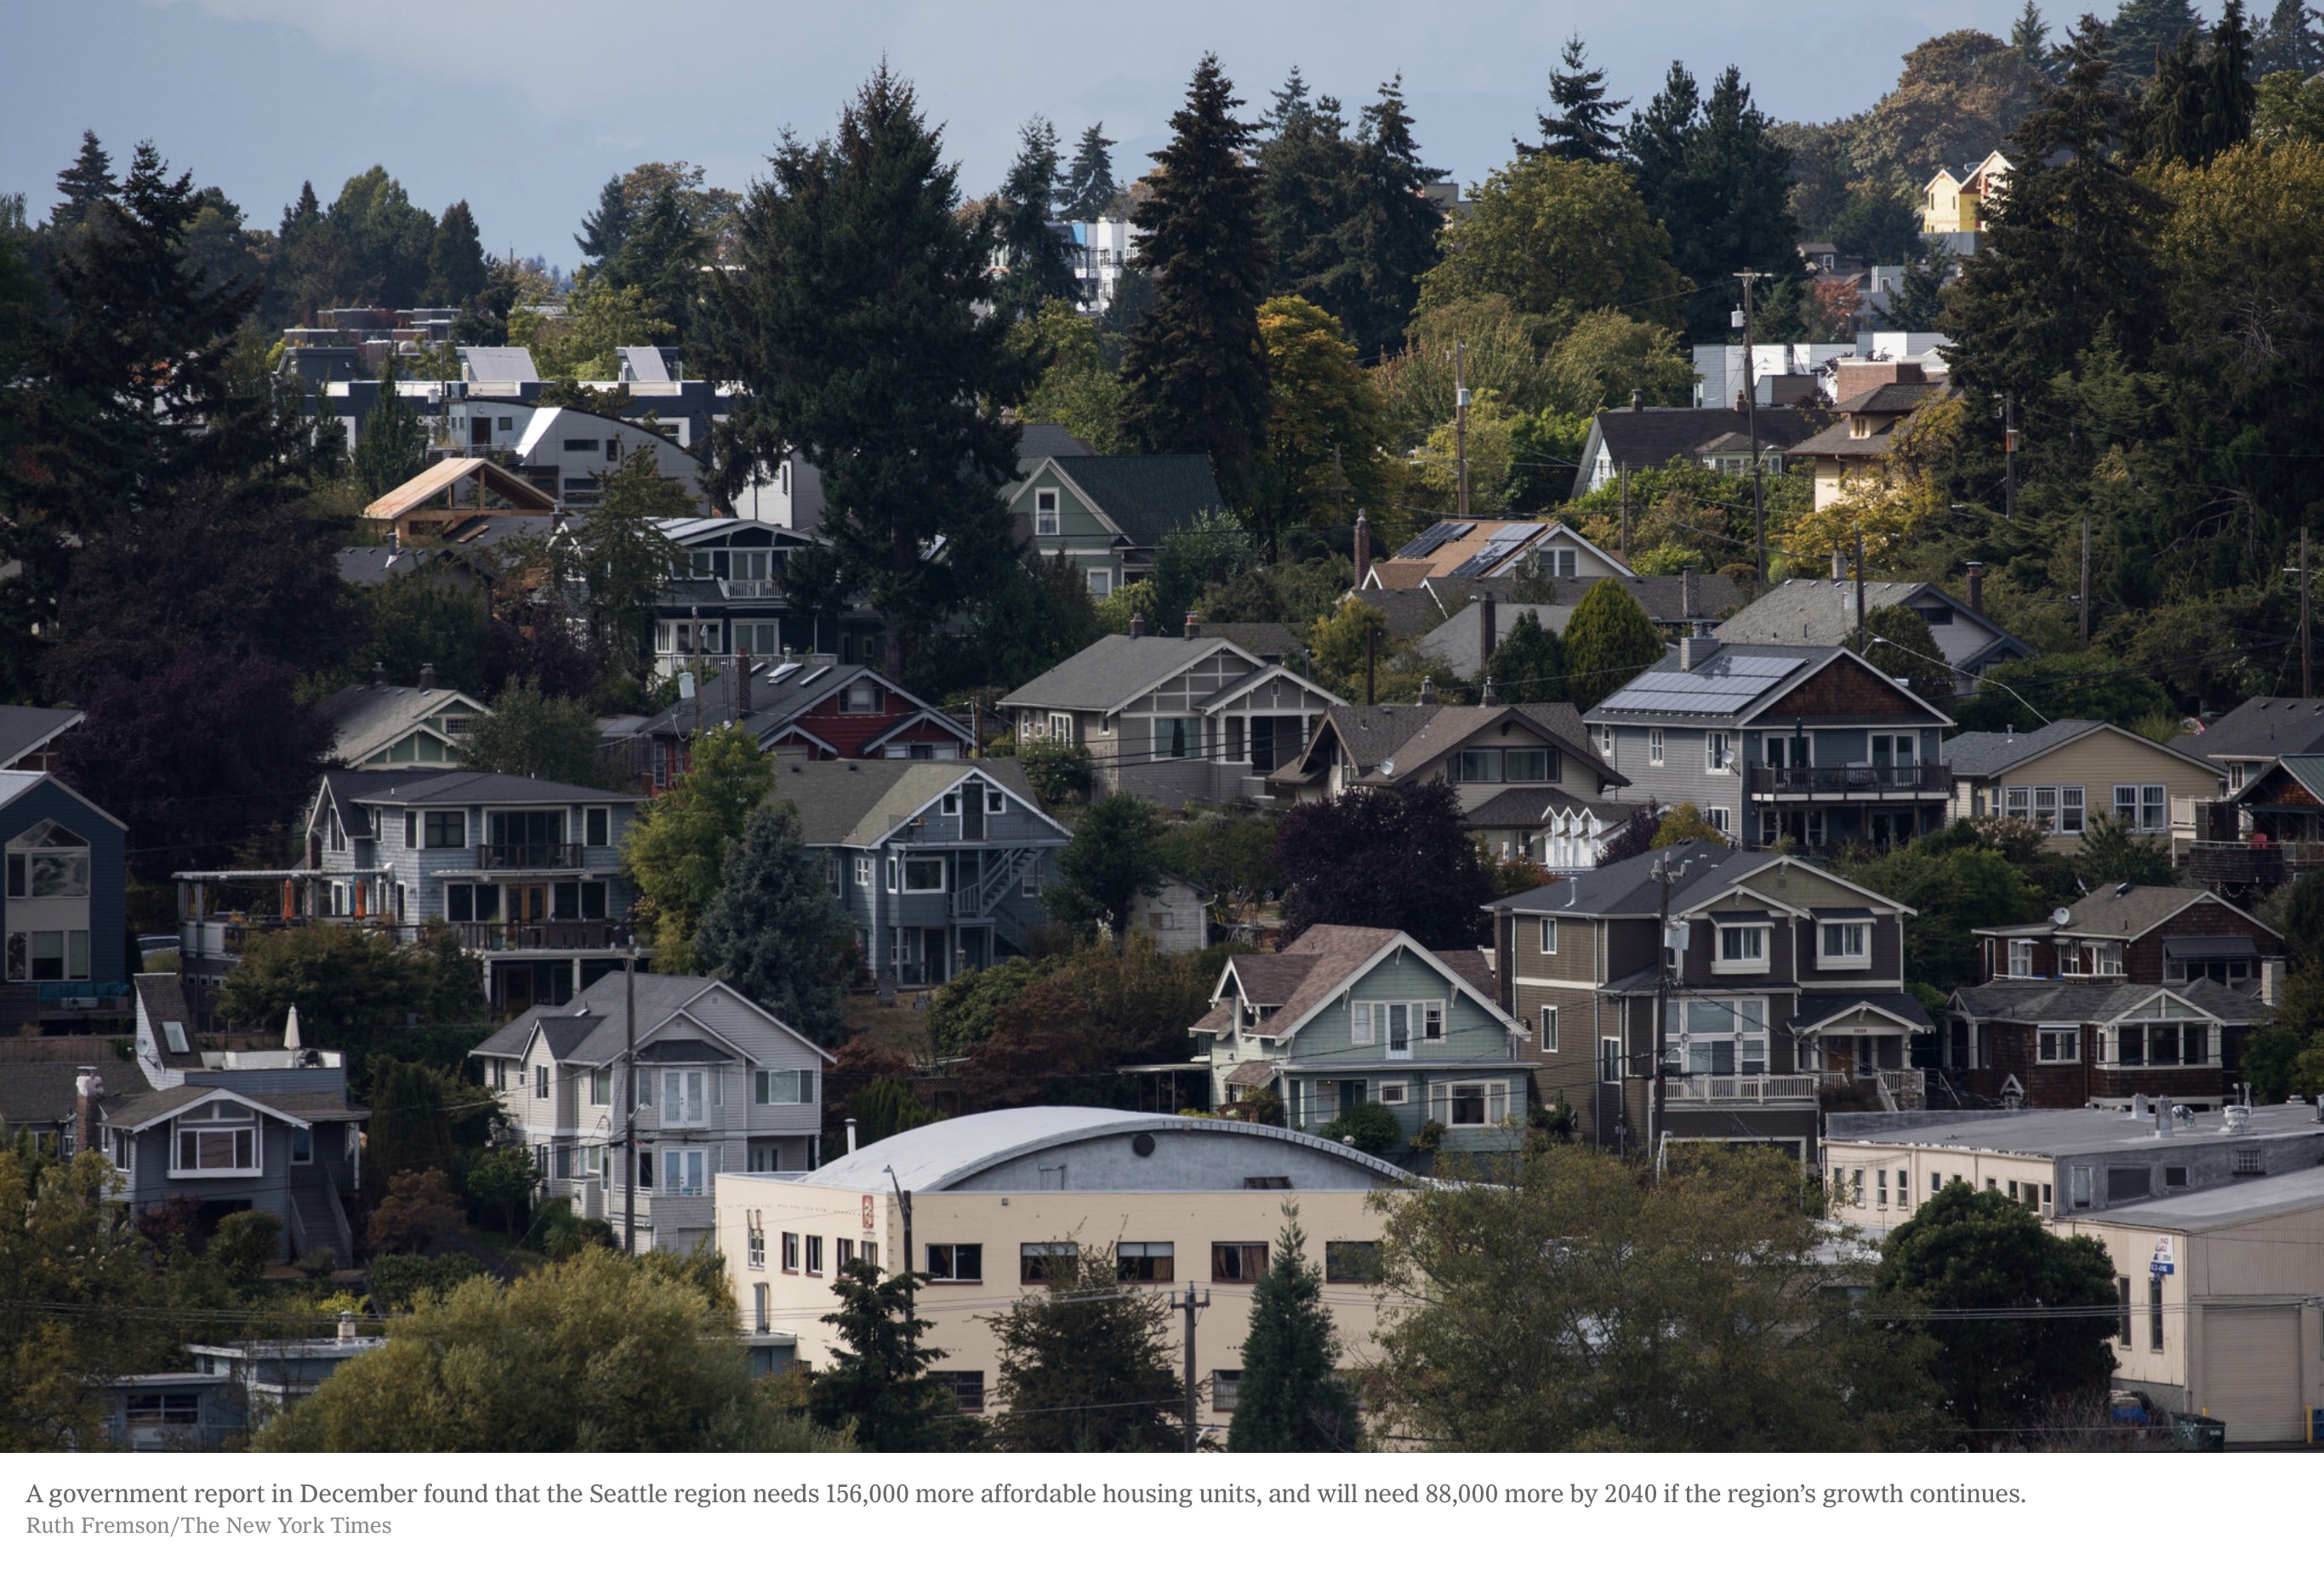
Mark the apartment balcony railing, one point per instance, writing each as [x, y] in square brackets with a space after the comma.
[500, 937]
[2240, 864]
[1729, 1091]
[1917, 778]
[529, 857]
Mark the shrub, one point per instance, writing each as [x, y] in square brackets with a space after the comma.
[1058, 772]
[246, 1242]
[1430, 1137]
[318, 1263]
[399, 1278]
[419, 1208]
[1368, 1128]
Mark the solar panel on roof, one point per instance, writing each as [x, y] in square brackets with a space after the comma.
[1721, 685]
[1436, 535]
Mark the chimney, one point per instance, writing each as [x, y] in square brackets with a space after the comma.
[1137, 625]
[88, 1091]
[1488, 699]
[347, 1324]
[379, 675]
[1488, 628]
[1977, 587]
[1194, 626]
[427, 675]
[850, 1136]
[1910, 374]
[1690, 593]
[741, 685]
[2270, 980]
[1363, 548]
[1637, 401]
[1838, 572]
[1427, 692]
[1693, 651]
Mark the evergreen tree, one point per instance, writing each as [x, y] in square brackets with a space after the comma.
[1193, 373]
[2029, 37]
[606, 229]
[1292, 1397]
[1915, 302]
[1659, 143]
[1528, 665]
[2232, 92]
[677, 847]
[83, 185]
[621, 557]
[775, 933]
[2143, 31]
[1583, 127]
[1306, 183]
[1387, 241]
[455, 259]
[662, 257]
[1090, 189]
[855, 326]
[391, 446]
[1086, 1366]
[1040, 262]
[1609, 641]
[2289, 42]
[1736, 213]
[1113, 861]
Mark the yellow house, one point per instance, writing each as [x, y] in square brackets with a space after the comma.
[2061, 776]
[1952, 203]
[984, 1202]
[1872, 419]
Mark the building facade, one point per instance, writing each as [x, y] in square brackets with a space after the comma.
[63, 915]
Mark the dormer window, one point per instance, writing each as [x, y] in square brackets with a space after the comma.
[862, 697]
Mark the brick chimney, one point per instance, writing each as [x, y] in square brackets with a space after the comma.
[1693, 651]
[88, 1091]
[1194, 626]
[427, 675]
[1488, 631]
[1137, 625]
[1853, 377]
[1977, 587]
[1363, 548]
[741, 685]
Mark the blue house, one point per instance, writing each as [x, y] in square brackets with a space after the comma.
[63, 915]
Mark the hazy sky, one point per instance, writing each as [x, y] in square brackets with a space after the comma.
[524, 108]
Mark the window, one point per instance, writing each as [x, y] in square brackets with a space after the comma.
[541, 1081]
[843, 1253]
[782, 1086]
[950, 805]
[959, 1263]
[996, 804]
[2155, 1313]
[1238, 1261]
[1469, 1103]
[1478, 767]
[1717, 1037]
[1395, 1092]
[2017, 803]
[790, 1252]
[47, 956]
[1101, 583]
[814, 1255]
[1396, 1025]
[966, 1385]
[2174, 1175]
[2046, 809]
[1609, 1060]
[1549, 935]
[924, 874]
[1061, 726]
[2062, 1046]
[684, 1172]
[1146, 1262]
[2122, 1300]
[1722, 818]
[2077, 1185]
[1880, 1189]
[2109, 959]
[2144, 807]
[756, 1248]
[1043, 1263]
[1529, 766]
[759, 1307]
[1355, 1263]
[1226, 1389]
[1716, 755]
[1177, 739]
[302, 1144]
[1547, 1031]
[1654, 747]
[411, 830]
[861, 698]
[2021, 956]
[894, 876]
[685, 1097]
[1606, 745]
[2128, 1183]
[164, 1408]
[2250, 1161]
[1045, 512]
[1844, 943]
[445, 830]
[1742, 948]
[217, 1138]
[862, 872]
[48, 861]
[597, 826]
[2070, 808]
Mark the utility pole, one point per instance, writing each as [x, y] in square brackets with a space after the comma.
[630, 1095]
[2009, 454]
[1625, 513]
[1662, 874]
[904, 1201]
[1371, 660]
[2307, 671]
[1751, 409]
[1860, 588]
[2086, 579]
[1189, 1305]
[1461, 425]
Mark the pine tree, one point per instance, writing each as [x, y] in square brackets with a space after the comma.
[1583, 127]
[1090, 189]
[1731, 207]
[662, 256]
[1609, 641]
[83, 184]
[878, 1385]
[1659, 143]
[455, 259]
[391, 446]
[1528, 665]
[1389, 240]
[604, 230]
[2143, 31]
[1292, 1397]
[775, 933]
[1040, 262]
[2289, 42]
[2029, 37]
[1193, 373]
[1306, 169]
[855, 325]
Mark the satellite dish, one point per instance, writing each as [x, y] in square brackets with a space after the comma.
[1387, 768]
[2061, 916]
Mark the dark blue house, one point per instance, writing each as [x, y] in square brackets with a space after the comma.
[63, 912]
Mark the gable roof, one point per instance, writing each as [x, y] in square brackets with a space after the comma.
[1035, 439]
[1988, 755]
[1412, 735]
[1116, 670]
[46, 1092]
[2125, 911]
[584, 1031]
[514, 489]
[2042, 1003]
[368, 718]
[25, 729]
[16, 784]
[1630, 888]
[1650, 437]
[857, 804]
[2307, 772]
[1314, 966]
[1821, 612]
[153, 1107]
[780, 692]
[422, 786]
[2264, 725]
[1141, 499]
[1734, 684]
[1477, 548]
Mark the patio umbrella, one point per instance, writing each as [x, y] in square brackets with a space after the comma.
[291, 1030]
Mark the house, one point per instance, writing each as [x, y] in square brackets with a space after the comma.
[1350, 1015]
[453, 498]
[2262, 729]
[2060, 776]
[979, 1205]
[1777, 976]
[228, 1390]
[525, 871]
[1952, 202]
[1171, 719]
[940, 863]
[1821, 612]
[729, 601]
[45, 1098]
[64, 912]
[1675, 604]
[1108, 513]
[721, 1085]
[29, 736]
[2133, 989]
[1177, 919]
[1624, 439]
[381, 725]
[812, 710]
[1879, 402]
[1772, 741]
[2218, 1289]
[1802, 374]
[1490, 549]
[2265, 834]
[565, 452]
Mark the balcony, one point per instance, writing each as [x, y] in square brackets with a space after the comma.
[1742, 1091]
[1864, 782]
[501, 936]
[529, 857]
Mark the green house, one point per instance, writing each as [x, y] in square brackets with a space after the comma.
[1108, 513]
[1350, 1015]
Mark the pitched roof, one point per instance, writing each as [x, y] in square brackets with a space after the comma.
[366, 718]
[1146, 497]
[780, 692]
[1115, 669]
[1413, 735]
[44, 1091]
[2264, 725]
[1648, 438]
[16, 783]
[1261, 640]
[1525, 805]
[1474, 549]
[1313, 966]
[1988, 755]
[860, 803]
[2125, 910]
[421, 786]
[149, 1107]
[1038, 441]
[583, 1031]
[25, 729]
[1813, 1010]
[415, 493]
[1733, 683]
[2095, 1003]
[1823, 612]
[1628, 888]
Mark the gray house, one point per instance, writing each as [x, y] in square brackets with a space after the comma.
[1350, 1015]
[1823, 612]
[722, 1085]
[1804, 741]
[1172, 719]
[941, 863]
[1108, 513]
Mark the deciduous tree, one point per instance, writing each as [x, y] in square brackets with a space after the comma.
[1393, 856]
[1558, 239]
[1112, 862]
[1085, 1365]
[528, 735]
[677, 847]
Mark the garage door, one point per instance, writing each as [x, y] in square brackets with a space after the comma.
[2251, 1372]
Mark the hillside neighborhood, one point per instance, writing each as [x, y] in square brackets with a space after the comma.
[1667, 798]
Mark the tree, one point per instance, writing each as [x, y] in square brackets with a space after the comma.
[502, 1183]
[1728, 208]
[2111, 852]
[1194, 373]
[2144, 31]
[2289, 42]
[1898, 644]
[775, 933]
[84, 185]
[1089, 191]
[1326, 438]
[620, 553]
[1112, 862]
[1683, 824]
[1292, 1397]
[676, 848]
[528, 735]
[1388, 240]
[1583, 126]
[1393, 856]
[1583, 1306]
[455, 259]
[1041, 264]
[1076, 388]
[604, 230]
[1229, 854]
[2201, 100]
[599, 1353]
[1085, 1365]
[419, 1208]
[1967, 1251]
[347, 983]
[1306, 168]
[2029, 35]
[2071, 685]
[1529, 664]
[1609, 641]
[1558, 239]
[1606, 356]
[877, 1389]
[964, 1010]
[421, 618]
[854, 324]
[1913, 304]
[1955, 882]
[392, 445]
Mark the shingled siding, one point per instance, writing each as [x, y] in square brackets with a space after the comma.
[2142, 957]
[1846, 690]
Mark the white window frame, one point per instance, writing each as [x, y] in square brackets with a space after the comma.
[1724, 964]
[2017, 802]
[1722, 818]
[1654, 747]
[2110, 955]
[187, 1132]
[1844, 959]
[912, 887]
[1443, 1097]
[1101, 583]
[2155, 808]
[686, 1172]
[1395, 1092]
[1718, 750]
[782, 1085]
[862, 872]
[1047, 516]
[2073, 807]
[2058, 1045]
[1549, 935]
[1061, 727]
[1546, 1033]
[2021, 957]
[690, 1093]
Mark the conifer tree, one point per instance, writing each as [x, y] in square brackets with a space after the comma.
[1389, 240]
[1040, 262]
[1307, 170]
[391, 446]
[1194, 373]
[605, 229]
[1090, 189]
[1292, 1397]
[2029, 35]
[2289, 42]
[1583, 128]
[662, 256]
[2143, 31]
[1529, 665]
[83, 184]
[1737, 211]
[775, 933]
[1609, 641]
[455, 259]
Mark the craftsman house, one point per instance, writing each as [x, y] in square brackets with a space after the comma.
[381, 725]
[1823, 612]
[1108, 513]
[728, 600]
[1492, 549]
[812, 710]
[2063, 775]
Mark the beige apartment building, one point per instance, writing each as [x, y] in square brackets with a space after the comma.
[994, 1198]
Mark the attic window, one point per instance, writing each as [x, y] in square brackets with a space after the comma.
[1936, 616]
[173, 1036]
